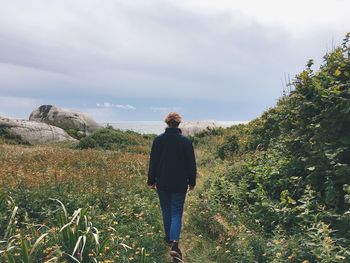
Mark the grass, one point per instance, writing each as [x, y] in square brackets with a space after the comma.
[70, 204]
[59, 203]
[106, 190]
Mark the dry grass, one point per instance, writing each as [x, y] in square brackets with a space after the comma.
[110, 186]
[37, 166]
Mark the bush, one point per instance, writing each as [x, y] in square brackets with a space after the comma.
[285, 188]
[76, 134]
[229, 147]
[111, 139]
[7, 137]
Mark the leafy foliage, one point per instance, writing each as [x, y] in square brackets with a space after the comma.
[230, 146]
[7, 137]
[76, 133]
[111, 139]
[280, 190]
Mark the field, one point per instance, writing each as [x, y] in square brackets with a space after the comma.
[101, 195]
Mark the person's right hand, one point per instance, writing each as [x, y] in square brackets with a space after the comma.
[190, 188]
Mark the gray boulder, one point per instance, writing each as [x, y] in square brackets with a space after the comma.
[65, 118]
[194, 127]
[34, 132]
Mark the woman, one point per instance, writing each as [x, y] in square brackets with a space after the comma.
[172, 170]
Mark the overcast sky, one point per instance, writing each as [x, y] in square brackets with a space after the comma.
[138, 59]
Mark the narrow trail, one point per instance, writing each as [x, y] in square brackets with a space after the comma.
[189, 239]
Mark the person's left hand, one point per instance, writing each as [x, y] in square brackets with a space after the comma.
[153, 186]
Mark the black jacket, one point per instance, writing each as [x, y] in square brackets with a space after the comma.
[172, 164]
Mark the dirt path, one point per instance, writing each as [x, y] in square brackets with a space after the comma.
[188, 239]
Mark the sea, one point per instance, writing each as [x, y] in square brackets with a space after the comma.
[156, 127]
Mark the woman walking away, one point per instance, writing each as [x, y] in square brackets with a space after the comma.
[172, 171]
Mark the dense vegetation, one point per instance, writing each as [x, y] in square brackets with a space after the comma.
[113, 139]
[278, 189]
[61, 204]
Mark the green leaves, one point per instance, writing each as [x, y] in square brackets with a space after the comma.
[25, 251]
[19, 248]
[286, 198]
[8, 230]
[291, 173]
[111, 139]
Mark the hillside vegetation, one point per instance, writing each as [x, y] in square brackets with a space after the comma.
[278, 188]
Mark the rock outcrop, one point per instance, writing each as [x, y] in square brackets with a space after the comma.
[65, 118]
[34, 132]
[194, 127]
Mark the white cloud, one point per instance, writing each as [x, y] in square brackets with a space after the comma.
[298, 16]
[117, 106]
[177, 52]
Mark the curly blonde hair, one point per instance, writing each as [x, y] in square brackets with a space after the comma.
[173, 119]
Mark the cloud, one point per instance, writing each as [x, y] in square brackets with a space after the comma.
[298, 16]
[117, 106]
[190, 53]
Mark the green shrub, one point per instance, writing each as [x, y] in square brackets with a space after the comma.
[7, 137]
[76, 134]
[283, 182]
[229, 147]
[111, 139]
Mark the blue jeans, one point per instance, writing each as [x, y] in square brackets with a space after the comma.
[172, 208]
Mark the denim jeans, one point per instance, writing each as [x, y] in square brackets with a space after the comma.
[172, 208]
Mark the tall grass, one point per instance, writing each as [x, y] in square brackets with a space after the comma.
[59, 204]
